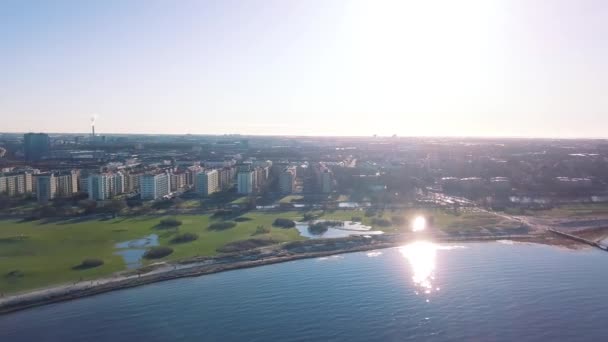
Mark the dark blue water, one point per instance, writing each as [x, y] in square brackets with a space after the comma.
[483, 292]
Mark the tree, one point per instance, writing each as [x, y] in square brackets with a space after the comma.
[88, 206]
[115, 206]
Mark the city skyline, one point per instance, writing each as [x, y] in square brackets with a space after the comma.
[342, 68]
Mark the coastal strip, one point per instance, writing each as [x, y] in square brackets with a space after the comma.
[206, 265]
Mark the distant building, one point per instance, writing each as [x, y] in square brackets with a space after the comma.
[117, 186]
[67, 183]
[207, 182]
[132, 182]
[104, 186]
[326, 181]
[287, 180]
[99, 187]
[226, 175]
[191, 173]
[154, 186]
[16, 183]
[46, 187]
[36, 146]
[245, 182]
[178, 181]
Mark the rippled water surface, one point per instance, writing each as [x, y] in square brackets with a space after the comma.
[423, 291]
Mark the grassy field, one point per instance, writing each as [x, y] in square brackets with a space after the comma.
[291, 198]
[45, 253]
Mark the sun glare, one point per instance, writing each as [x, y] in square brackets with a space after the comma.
[421, 256]
[419, 224]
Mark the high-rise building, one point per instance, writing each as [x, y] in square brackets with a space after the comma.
[287, 180]
[154, 186]
[245, 182]
[178, 181]
[118, 183]
[16, 183]
[132, 182]
[103, 186]
[207, 182]
[226, 175]
[99, 187]
[326, 180]
[36, 146]
[67, 183]
[3, 188]
[46, 187]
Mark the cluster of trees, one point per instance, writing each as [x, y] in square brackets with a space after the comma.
[88, 263]
[321, 227]
[222, 225]
[170, 222]
[158, 252]
[284, 223]
[185, 237]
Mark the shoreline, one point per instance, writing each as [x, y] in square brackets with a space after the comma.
[195, 267]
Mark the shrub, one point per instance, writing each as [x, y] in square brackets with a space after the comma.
[170, 222]
[222, 225]
[15, 274]
[158, 252]
[321, 227]
[88, 263]
[242, 219]
[309, 216]
[185, 237]
[261, 230]
[356, 219]
[221, 213]
[284, 223]
[369, 213]
[381, 222]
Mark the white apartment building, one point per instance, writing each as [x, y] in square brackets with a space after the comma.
[154, 186]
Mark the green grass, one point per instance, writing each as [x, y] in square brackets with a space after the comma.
[291, 198]
[578, 210]
[46, 252]
[190, 204]
[240, 200]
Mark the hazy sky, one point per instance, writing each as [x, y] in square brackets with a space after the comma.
[314, 67]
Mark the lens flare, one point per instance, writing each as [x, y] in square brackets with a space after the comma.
[419, 224]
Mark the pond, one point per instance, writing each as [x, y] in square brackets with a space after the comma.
[132, 251]
[349, 228]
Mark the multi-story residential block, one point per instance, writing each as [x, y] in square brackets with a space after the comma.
[67, 183]
[103, 186]
[99, 187]
[178, 181]
[16, 183]
[154, 186]
[207, 182]
[132, 181]
[287, 179]
[245, 182]
[46, 187]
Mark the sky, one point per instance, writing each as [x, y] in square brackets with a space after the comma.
[516, 68]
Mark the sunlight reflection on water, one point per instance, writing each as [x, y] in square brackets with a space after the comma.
[422, 257]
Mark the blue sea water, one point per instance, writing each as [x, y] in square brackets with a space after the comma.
[422, 292]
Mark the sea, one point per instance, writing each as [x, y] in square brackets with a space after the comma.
[422, 291]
